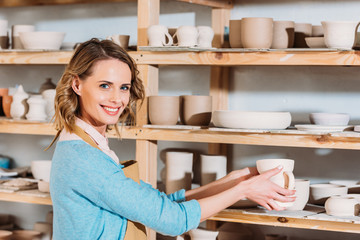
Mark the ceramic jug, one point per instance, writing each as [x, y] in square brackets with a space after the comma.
[157, 35]
[340, 34]
[36, 108]
[19, 106]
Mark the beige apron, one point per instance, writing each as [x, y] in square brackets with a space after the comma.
[134, 230]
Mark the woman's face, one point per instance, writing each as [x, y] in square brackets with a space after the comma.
[104, 94]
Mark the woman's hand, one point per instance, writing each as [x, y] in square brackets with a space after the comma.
[260, 189]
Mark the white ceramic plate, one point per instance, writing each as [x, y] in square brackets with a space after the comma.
[321, 128]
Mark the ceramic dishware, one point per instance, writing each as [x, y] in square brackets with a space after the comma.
[178, 171]
[4, 37]
[121, 40]
[342, 206]
[5, 235]
[284, 179]
[15, 36]
[19, 106]
[302, 188]
[49, 97]
[164, 110]
[340, 34]
[41, 169]
[45, 228]
[235, 33]
[302, 30]
[158, 36]
[319, 193]
[25, 234]
[317, 31]
[48, 84]
[205, 36]
[37, 107]
[329, 119]
[283, 36]
[315, 42]
[187, 36]
[256, 32]
[42, 40]
[213, 167]
[195, 110]
[251, 120]
[352, 185]
[203, 234]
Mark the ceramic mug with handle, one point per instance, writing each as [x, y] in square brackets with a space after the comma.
[159, 36]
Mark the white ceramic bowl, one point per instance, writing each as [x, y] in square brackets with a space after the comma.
[44, 186]
[42, 40]
[319, 193]
[41, 169]
[315, 42]
[330, 119]
[251, 120]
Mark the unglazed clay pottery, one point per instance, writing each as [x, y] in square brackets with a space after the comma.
[164, 110]
[42, 40]
[302, 30]
[315, 42]
[43, 186]
[302, 188]
[319, 193]
[19, 105]
[48, 84]
[275, 237]
[5, 235]
[256, 32]
[205, 36]
[121, 40]
[25, 235]
[45, 228]
[283, 36]
[213, 167]
[342, 206]
[340, 34]
[49, 97]
[235, 33]
[6, 105]
[178, 171]
[251, 120]
[158, 36]
[284, 179]
[317, 31]
[203, 234]
[4, 91]
[195, 110]
[15, 37]
[41, 169]
[353, 185]
[329, 119]
[36, 108]
[187, 36]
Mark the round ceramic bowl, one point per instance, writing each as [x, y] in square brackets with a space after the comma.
[319, 193]
[330, 119]
[199, 234]
[44, 186]
[315, 42]
[251, 120]
[342, 206]
[5, 235]
[25, 235]
[42, 40]
[41, 169]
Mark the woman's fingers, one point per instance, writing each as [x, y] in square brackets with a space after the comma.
[272, 172]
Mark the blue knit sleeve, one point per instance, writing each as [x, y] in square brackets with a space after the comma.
[178, 196]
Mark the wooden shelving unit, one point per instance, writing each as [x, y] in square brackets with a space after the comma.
[16, 197]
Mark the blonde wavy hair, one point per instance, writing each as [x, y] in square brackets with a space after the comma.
[67, 106]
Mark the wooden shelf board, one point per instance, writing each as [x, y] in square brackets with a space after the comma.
[238, 217]
[211, 3]
[16, 197]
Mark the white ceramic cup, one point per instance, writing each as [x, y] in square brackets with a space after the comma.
[178, 171]
[157, 35]
[205, 36]
[187, 36]
[3, 27]
[302, 188]
[284, 179]
[213, 167]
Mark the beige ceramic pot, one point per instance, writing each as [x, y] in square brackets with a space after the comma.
[283, 36]
[341, 34]
[195, 110]
[302, 188]
[121, 40]
[342, 206]
[302, 30]
[256, 32]
[319, 193]
[235, 33]
[164, 110]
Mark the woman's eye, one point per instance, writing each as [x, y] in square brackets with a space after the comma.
[125, 88]
[104, 85]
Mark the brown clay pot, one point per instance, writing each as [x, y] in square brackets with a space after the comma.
[235, 33]
[195, 110]
[283, 36]
[164, 110]
[256, 32]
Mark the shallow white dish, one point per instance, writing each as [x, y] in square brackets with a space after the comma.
[329, 119]
[251, 120]
[315, 42]
[42, 40]
[321, 128]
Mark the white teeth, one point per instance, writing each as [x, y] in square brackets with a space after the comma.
[110, 109]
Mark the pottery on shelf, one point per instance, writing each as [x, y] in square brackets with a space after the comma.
[340, 34]
[302, 188]
[283, 36]
[235, 33]
[329, 119]
[49, 97]
[6, 105]
[164, 110]
[187, 36]
[37, 40]
[195, 110]
[342, 206]
[256, 32]
[19, 105]
[41, 169]
[315, 42]
[121, 40]
[37, 107]
[48, 84]
[353, 185]
[158, 36]
[43, 186]
[213, 167]
[317, 31]
[302, 30]
[203, 234]
[45, 228]
[251, 120]
[205, 36]
[179, 167]
[15, 37]
[319, 193]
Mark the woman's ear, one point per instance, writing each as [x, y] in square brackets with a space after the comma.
[76, 85]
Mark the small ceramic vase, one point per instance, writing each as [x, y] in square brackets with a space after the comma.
[213, 167]
[19, 106]
[319, 193]
[275, 237]
[235, 33]
[256, 32]
[340, 34]
[178, 171]
[205, 36]
[342, 206]
[302, 30]
[121, 40]
[284, 179]
[36, 108]
[203, 234]
[284, 34]
[164, 110]
[157, 35]
[302, 188]
[48, 84]
[49, 97]
[15, 37]
[187, 36]
[317, 31]
[3, 93]
[45, 228]
[195, 110]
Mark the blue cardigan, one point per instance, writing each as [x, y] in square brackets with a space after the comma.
[92, 198]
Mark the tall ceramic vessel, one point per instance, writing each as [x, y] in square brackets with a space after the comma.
[49, 97]
[19, 106]
[235, 33]
[36, 108]
[213, 167]
[340, 34]
[283, 36]
[256, 32]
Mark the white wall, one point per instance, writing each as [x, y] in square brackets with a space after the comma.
[300, 90]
